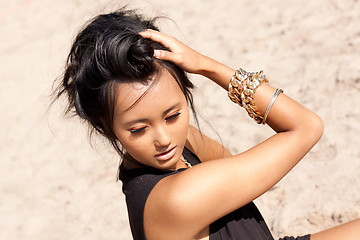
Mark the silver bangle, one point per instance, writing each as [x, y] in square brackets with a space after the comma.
[274, 97]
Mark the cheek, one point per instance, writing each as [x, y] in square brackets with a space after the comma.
[139, 149]
[131, 143]
[182, 127]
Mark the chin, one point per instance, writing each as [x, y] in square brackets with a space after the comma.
[167, 165]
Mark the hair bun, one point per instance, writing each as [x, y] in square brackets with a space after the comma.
[127, 55]
[140, 56]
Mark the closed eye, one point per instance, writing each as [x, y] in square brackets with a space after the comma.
[173, 116]
[138, 130]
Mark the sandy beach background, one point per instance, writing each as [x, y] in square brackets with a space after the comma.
[54, 185]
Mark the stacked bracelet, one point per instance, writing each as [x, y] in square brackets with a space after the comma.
[242, 88]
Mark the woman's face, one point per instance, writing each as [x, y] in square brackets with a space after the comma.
[154, 129]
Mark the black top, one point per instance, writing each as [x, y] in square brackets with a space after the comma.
[244, 223]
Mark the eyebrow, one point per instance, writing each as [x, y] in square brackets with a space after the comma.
[145, 119]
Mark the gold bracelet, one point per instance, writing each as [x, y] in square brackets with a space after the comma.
[274, 97]
[242, 88]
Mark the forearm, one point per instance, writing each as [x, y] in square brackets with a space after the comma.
[216, 71]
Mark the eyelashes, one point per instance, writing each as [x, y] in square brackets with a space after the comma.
[138, 130]
[173, 116]
[169, 119]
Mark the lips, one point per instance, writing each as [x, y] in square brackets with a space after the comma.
[166, 155]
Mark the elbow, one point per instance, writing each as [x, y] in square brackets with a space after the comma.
[314, 127]
[308, 133]
[318, 127]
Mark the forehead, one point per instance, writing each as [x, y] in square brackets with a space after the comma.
[162, 90]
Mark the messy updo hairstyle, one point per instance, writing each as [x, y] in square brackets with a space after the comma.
[107, 52]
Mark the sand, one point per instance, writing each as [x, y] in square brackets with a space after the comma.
[54, 185]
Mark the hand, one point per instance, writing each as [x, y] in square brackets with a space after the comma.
[185, 57]
[188, 59]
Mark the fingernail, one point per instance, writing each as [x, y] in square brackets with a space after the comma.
[156, 53]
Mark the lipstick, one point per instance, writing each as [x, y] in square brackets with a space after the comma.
[166, 155]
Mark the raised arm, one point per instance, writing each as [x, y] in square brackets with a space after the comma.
[213, 189]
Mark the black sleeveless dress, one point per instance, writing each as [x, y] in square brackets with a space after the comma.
[245, 223]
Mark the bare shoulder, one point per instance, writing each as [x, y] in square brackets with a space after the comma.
[205, 147]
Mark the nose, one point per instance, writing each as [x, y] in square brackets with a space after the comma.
[162, 138]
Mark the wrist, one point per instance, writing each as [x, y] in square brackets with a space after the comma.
[205, 65]
[216, 71]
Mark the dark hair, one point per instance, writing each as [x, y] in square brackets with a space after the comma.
[106, 52]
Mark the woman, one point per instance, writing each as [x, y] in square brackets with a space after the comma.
[128, 81]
